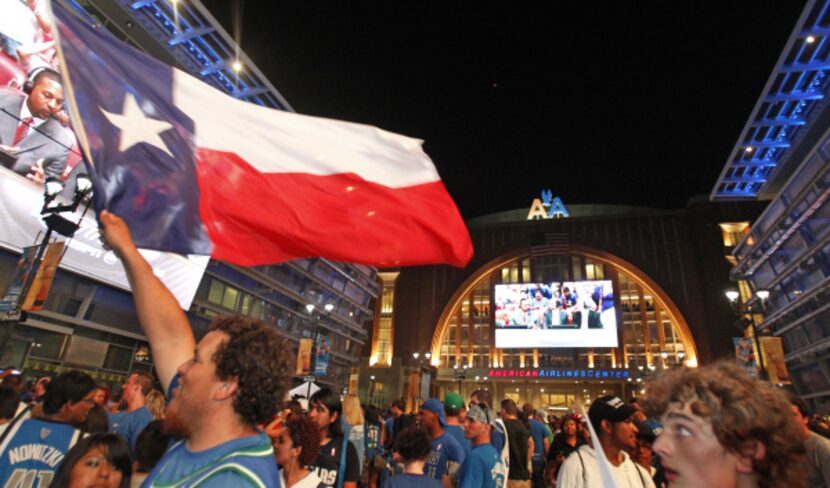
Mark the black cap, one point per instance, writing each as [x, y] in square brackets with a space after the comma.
[610, 408]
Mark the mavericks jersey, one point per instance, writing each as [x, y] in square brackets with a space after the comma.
[32, 451]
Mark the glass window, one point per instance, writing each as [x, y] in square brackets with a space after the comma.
[230, 297]
[217, 289]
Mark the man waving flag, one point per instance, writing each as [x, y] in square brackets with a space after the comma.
[195, 171]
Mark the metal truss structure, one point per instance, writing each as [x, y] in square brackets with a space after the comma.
[184, 33]
[793, 99]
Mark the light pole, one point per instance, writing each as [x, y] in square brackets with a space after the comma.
[421, 361]
[459, 374]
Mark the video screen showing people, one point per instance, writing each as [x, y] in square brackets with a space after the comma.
[36, 139]
[556, 314]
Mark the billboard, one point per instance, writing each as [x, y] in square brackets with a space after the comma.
[555, 314]
[37, 141]
[20, 226]
[745, 355]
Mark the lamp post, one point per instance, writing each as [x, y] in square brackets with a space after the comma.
[459, 374]
[763, 295]
[421, 361]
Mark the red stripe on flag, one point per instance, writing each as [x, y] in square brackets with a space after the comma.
[256, 218]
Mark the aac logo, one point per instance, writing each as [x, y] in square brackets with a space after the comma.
[548, 207]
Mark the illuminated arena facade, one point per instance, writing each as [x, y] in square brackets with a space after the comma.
[435, 325]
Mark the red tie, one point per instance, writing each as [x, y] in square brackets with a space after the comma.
[22, 130]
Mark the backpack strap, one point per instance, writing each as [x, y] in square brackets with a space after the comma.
[584, 473]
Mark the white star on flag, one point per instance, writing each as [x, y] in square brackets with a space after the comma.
[137, 128]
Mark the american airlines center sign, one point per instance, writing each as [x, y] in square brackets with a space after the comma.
[547, 207]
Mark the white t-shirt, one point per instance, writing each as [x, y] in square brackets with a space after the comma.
[584, 472]
[311, 480]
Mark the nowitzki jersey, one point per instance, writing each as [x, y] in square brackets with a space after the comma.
[32, 451]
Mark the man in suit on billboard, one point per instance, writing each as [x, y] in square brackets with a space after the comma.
[30, 131]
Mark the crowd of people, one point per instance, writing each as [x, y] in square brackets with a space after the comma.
[554, 305]
[224, 421]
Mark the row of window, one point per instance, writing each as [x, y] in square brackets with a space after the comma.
[469, 331]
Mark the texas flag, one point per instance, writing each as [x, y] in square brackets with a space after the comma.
[195, 171]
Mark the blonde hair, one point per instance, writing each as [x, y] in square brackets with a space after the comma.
[154, 401]
[352, 411]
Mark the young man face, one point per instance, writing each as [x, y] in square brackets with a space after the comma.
[46, 98]
[321, 416]
[643, 454]
[199, 386]
[691, 453]
[802, 421]
[474, 430]
[76, 413]
[426, 419]
[131, 387]
[623, 434]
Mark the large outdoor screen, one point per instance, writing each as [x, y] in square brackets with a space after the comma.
[556, 314]
[37, 141]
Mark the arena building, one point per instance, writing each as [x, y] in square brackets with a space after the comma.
[782, 265]
[440, 329]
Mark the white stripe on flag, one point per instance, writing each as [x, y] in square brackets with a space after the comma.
[274, 141]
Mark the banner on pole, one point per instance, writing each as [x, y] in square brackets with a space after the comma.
[304, 357]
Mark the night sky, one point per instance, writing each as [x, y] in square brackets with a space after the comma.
[626, 102]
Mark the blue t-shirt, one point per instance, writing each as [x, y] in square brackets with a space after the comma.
[407, 480]
[445, 450]
[482, 468]
[129, 424]
[497, 438]
[246, 461]
[33, 450]
[458, 432]
[538, 433]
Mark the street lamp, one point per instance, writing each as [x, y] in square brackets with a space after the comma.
[460, 374]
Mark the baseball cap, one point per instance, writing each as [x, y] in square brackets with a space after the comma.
[482, 414]
[649, 429]
[610, 408]
[434, 406]
[453, 400]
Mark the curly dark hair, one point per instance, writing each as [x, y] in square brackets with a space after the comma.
[262, 362]
[304, 433]
[413, 444]
[742, 411]
[115, 450]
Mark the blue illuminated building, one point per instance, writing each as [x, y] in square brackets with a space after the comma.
[783, 157]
